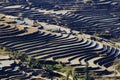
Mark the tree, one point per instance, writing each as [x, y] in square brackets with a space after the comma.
[34, 63]
[86, 72]
[71, 72]
[116, 66]
[59, 66]
[24, 59]
[11, 55]
[49, 67]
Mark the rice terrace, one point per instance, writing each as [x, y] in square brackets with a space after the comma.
[59, 39]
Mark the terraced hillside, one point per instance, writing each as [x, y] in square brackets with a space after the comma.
[69, 49]
[95, 17]
[14, 71]
[94, 24]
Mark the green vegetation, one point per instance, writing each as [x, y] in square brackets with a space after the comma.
[53, 67]
[2, 51]
[38, 64]
[115, 39]
[117, 65]
[116, 44]
[71, 72]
